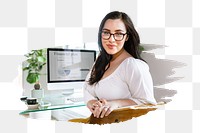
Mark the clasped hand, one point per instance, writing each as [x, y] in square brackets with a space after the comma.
[100, 108]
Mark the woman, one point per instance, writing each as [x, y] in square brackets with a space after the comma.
[119, 76]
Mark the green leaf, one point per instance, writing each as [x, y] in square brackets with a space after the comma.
[33, 78]
[25, 68]
[41, 59]
[30, 60]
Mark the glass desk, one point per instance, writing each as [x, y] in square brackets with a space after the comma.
[61, 112]
[54, 107]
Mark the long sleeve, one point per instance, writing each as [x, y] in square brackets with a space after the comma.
[88, 95]
[88, 91]
[139, 81]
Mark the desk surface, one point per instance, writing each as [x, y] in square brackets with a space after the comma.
[55, 107]
[58, 113]
[70, 113]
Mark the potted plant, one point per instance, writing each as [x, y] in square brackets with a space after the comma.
[36, 60]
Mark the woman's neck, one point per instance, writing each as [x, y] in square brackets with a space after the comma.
[117, 54]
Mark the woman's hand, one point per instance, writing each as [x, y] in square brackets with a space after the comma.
[108, 108]
[92, 104]
[103, 108]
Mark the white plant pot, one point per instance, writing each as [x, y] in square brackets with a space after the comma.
[37, 93]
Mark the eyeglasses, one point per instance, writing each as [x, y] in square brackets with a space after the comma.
[117, 36]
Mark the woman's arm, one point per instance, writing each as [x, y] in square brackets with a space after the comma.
[103, 107]
[140, 82]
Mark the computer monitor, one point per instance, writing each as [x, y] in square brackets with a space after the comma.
[68, 68]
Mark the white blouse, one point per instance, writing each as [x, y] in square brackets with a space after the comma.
[131, 80]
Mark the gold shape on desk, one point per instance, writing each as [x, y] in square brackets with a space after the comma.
[118, 115]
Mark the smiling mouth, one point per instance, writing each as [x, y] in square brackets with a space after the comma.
[111, 46]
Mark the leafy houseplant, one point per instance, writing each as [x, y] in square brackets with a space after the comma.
[36, 59]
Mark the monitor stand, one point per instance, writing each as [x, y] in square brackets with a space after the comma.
[57, 97]
[68, 92]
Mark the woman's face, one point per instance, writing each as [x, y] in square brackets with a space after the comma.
[117, 27]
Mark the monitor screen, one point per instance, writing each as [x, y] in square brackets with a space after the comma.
[68, 65]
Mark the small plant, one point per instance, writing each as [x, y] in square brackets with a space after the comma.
[36, 59]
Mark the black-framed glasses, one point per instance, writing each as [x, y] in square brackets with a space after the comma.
[117, 36]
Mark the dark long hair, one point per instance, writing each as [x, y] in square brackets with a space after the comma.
[131, 46]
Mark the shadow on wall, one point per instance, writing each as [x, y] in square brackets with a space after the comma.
[162, 71]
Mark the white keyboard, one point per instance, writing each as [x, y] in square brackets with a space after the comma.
[66, 114]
